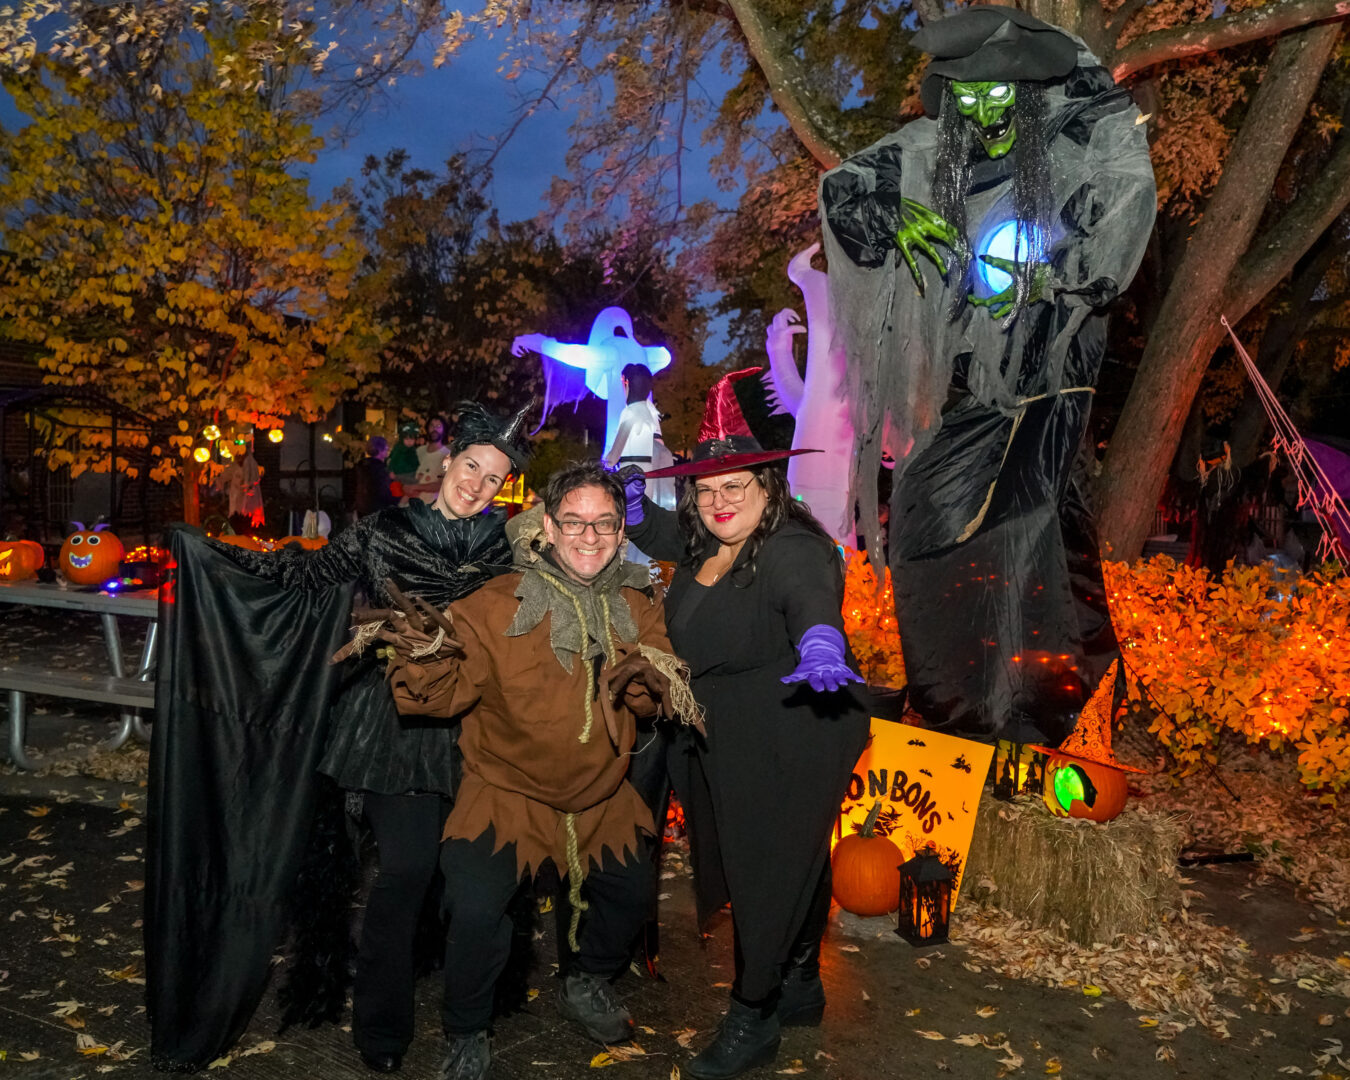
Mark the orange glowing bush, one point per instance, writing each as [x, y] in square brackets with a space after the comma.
[869, 622]
[1233, 656]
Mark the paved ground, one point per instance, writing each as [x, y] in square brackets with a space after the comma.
[71, 876]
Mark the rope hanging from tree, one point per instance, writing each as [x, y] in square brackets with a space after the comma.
[1315, 489]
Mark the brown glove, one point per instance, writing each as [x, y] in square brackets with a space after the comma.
[412, 628]
[635, 684]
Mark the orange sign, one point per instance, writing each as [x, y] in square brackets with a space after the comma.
[929, 785]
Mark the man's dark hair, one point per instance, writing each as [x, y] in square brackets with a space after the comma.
[377, 445]
[579, 474]
[639, 378]
[959, 149]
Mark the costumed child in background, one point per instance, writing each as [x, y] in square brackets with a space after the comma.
[430, 456]
[638, 441]
[235, 773]
[403, 457]
[754, 610]
[971, 256]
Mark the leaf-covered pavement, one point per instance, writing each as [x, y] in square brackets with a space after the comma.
[1264, 998]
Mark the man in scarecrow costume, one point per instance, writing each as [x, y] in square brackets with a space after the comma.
[971, 255]
[547, 669]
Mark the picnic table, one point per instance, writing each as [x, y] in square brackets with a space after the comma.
[133, 692]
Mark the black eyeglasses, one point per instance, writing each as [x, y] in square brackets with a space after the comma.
[604, 527]
[732, 492]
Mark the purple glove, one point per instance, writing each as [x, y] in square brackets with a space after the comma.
[634, 482]
[822, 663]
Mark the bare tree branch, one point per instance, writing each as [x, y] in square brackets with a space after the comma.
[1223, 33]
[1273, 255]
[818, 131]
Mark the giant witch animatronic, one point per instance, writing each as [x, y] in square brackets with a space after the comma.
[971, 255]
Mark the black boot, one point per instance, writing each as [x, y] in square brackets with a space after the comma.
[802, 1000]
[746, 1038]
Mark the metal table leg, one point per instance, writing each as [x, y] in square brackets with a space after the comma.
[113, 640]
[16, 731]
[145, 672]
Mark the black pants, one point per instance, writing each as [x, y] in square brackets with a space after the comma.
[407, 832]
[479, 886]
[758, 978]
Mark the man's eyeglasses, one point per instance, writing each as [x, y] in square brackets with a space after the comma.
[733, 491]
[604, 527]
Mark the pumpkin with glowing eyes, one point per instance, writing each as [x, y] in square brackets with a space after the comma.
[90, 556]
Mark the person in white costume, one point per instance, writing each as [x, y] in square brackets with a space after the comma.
[638, 441]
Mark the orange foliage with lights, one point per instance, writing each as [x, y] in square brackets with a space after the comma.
[1232, 656]
[869, 622]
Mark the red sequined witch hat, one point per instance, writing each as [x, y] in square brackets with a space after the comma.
[725, 442]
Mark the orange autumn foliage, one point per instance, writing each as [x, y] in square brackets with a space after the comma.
[1231, 656]
[869, 622]
[1205, 658]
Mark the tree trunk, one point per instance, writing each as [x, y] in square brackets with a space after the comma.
[192, 504]
[1187, 332]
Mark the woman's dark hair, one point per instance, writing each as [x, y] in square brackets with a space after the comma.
[779, 508]
[639, 378]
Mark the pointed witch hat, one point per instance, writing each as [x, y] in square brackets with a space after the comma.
[1090, 740]
[725, 442]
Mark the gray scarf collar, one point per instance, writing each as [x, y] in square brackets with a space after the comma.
[584, 619]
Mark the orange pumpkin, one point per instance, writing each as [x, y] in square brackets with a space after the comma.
[309, 543]
[1076, 787]
[252, 543]
[866, 870]
[20, 559]
[90, 556]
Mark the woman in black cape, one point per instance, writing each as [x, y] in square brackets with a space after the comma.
[754, 610]
[272, 612]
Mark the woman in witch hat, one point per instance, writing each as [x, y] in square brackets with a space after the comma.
[238, 778]
[754, 610]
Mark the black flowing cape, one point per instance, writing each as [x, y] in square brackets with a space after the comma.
[241, 719]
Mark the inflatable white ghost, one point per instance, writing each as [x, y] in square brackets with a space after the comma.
[596, 366]
[819, 403]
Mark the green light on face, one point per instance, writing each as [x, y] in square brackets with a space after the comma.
[1068, 786]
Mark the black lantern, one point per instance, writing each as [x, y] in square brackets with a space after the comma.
[925, 900]
[1018, 769]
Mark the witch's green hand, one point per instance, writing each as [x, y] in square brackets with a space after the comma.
[919, 229]
[1001, 304]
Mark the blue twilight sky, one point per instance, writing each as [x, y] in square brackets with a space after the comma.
[464, 105]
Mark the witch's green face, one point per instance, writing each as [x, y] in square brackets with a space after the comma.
[990, 106]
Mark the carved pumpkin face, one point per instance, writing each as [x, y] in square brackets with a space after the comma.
[20, 559]
[90, 556]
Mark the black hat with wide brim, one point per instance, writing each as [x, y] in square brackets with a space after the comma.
[725, 442]
[984, 43]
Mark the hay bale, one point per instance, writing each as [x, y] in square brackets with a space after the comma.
[1086, 881]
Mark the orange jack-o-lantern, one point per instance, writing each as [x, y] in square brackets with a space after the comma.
[866, 870]
[90, 556]
[1084, 789]
[20, 559]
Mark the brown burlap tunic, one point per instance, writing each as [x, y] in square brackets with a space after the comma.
[538, 770]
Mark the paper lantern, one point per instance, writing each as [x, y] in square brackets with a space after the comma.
[866, 870]
[20, 560]
[90, 556]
